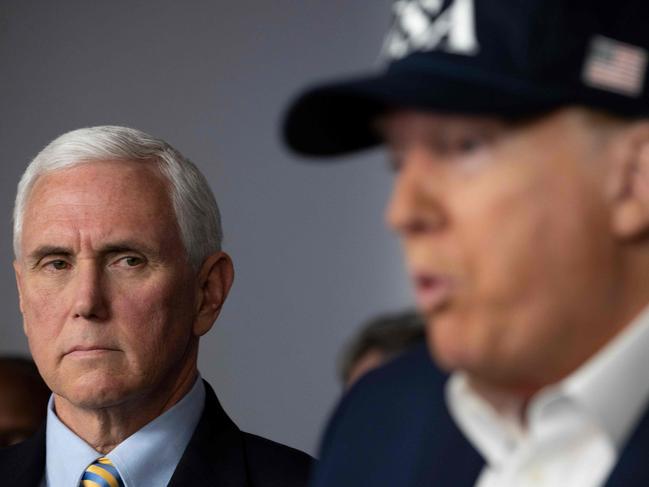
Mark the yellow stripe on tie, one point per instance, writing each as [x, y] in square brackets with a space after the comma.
[89, 483]
[105, 461]
[107, 476]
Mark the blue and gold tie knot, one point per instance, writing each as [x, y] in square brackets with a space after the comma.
[102, 473]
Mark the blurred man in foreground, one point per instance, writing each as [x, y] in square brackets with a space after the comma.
[23, 400]
[117, 239]
[519, 136]
[382, 339]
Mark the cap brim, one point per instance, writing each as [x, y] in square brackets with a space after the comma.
[338, 118]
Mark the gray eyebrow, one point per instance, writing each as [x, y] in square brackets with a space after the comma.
[44, 250]
[126, 246]
[110, 248]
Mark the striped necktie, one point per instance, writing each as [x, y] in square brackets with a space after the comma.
[102, 473]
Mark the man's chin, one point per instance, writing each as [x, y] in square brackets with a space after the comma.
[457, 356]
[83, 400]
[96, 393]
[448, 346]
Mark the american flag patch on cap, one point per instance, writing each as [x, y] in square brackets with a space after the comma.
[616, 67]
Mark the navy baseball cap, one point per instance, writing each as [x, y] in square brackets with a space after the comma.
[506, 58]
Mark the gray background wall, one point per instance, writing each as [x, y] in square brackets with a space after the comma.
[312, 256]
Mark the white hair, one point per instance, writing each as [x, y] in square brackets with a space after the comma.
[197, 212]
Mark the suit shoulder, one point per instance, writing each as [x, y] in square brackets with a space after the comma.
[374, 409]
[23, 464]
[9, 459]
[411, 373]
[272, 464]
[391, 428]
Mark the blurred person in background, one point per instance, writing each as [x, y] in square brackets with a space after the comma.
[518, 132]
[379, 341]
[23, 399]
[120, 272]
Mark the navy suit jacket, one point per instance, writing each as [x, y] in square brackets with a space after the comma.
[393, 429]
[218, 454]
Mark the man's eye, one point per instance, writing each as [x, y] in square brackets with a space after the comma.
[130, 261]
[470, 143]
[58, 265]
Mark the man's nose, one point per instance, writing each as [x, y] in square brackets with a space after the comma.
[89, 294]
[415, 205]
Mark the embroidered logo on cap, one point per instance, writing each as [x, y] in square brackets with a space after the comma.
[425, 25]
[616, 67]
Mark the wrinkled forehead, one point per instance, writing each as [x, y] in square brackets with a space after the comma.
[100, 182]
[116, 168]
[101, 197]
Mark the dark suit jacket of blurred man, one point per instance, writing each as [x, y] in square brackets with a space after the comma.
[394, 429]
[218, 454]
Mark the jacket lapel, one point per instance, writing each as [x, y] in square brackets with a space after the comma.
[449, 459]
[215, 453]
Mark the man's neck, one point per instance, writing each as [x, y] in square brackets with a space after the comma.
[105, 428]
[504, 401]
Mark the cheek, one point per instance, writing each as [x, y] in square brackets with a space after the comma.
[498, 240]
[522, 230]
[44, 314]
[503, 243]
[155, 322]
[530, 258]
[44, 317]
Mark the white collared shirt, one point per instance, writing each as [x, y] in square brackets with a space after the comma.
[147, 458]
[575, 428]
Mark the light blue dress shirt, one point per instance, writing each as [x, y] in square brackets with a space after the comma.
[147, 458]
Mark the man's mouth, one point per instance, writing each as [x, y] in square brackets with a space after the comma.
[81, 351]
[432, 291]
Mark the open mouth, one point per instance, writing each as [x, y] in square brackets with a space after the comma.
[432, 291]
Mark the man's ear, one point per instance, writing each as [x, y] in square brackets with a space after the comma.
[629, 182]
[17, 272]
[19, 284]
[214, 280]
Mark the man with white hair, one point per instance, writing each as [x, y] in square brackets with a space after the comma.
[519, 137]
[120, 271]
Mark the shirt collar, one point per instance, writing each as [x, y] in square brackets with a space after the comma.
[148, 457]
[493, 434]
[616, 371]
[613, 386]
[67, 455]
